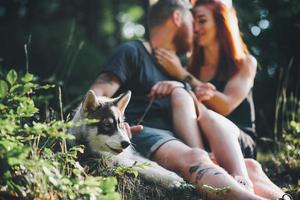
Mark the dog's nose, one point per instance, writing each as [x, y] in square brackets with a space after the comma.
[125, 144]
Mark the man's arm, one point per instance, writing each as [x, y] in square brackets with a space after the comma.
[106, 85]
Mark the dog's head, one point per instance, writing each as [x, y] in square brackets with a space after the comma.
[109, 133]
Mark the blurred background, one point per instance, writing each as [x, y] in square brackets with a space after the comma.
[67, 41]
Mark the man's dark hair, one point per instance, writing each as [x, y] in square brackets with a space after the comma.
[163, 9]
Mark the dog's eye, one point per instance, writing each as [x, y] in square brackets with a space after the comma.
[107, 125]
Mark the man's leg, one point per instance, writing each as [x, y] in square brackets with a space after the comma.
[194, 165]
[220, 132]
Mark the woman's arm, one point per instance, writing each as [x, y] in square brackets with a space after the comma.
[236, 89]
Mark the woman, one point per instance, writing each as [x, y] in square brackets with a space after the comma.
[223, 63]
[224, 68]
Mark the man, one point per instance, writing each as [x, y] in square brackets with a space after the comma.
[133, 67]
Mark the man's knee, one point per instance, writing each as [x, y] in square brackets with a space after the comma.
[194, 156]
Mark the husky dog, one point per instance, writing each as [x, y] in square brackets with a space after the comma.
[109, 135]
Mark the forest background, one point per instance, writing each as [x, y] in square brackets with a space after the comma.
[66, 42]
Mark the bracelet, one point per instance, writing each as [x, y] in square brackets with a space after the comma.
[187, 82]
[188, 79]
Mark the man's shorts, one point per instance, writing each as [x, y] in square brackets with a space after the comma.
[149, 140]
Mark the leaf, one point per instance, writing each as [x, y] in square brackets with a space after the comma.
[135, 173]
[3, 89]
[295, 125]
[15, 87]
[112, 196]
[11, 77]
[108, 185]
[218, 191]
[2, 107]
[53, 180]
[27, 78]
[46, 87]
[17, 154]
[7, 175]
[28, 87]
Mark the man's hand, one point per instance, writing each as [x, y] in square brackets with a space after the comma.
[164, 88]
[132, 129]
[170, 62]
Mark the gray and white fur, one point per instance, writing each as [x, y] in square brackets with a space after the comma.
[108, 136]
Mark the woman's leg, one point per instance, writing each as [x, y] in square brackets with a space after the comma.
[194, 165]
[263, 186]
[221, 133]
[222, 136]
[185, 118]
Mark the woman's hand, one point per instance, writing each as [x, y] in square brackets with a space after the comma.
[170, 63]
[204, 91]
[164, 88]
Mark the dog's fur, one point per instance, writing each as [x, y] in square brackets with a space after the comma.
[108, 136]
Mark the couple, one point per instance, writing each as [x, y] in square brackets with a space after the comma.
[133, 66]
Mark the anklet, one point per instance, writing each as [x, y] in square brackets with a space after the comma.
[286, 195]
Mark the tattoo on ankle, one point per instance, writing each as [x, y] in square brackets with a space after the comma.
[218, 173]
[201, 171]
[194, 168]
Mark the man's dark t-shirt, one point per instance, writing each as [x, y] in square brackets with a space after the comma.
[138, 71]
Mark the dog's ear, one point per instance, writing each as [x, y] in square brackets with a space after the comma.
[122, 101]
[90, 102]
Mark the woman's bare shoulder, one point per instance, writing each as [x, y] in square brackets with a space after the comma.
[247, 66]
[249, 61]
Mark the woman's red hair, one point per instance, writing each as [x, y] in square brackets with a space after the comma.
[232, 47]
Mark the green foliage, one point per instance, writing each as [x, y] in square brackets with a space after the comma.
[130, 170]
[35, 163]
[135, 12]
[3, 89]
[11, 77]
[218, 191]
[287, 126]
[290, 149]
[286, 163]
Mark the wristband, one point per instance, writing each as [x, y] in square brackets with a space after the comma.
[187, 81]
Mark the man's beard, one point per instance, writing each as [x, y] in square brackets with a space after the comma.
[181, 41]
